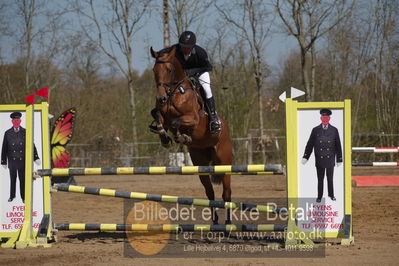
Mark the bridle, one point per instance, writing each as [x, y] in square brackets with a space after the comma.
[170, 86]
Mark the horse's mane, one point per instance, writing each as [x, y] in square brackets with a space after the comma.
[164, 55]
[166, 51]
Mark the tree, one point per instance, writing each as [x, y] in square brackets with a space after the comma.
[3, 25]
[36, 36]
[252, 20]
[187, 14]
[308, 21]
[386, 58]
[121, 19]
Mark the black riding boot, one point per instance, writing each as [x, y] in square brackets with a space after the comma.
[214, 123]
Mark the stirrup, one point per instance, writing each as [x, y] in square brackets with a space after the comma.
[153, 127]
[215, 126]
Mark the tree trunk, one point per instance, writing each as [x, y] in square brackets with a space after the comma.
[313, 71]
[132, 103]
[261, 126]
[305, 75]
[28, 13]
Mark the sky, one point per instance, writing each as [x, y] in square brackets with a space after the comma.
[276, 50]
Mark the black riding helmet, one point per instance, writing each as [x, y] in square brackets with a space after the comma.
[187, 39]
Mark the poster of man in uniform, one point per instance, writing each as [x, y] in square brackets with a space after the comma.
[326, 143]
[12, 170]
[320, 170]
[13, 155]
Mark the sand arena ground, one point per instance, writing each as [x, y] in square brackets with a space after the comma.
[375, 223]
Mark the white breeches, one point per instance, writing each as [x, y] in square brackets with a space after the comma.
[205, 82]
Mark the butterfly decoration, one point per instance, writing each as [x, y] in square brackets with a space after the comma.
[61, 135]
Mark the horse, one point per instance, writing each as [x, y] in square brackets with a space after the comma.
[179, 108]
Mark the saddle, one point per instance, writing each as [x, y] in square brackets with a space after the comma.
[197, 87]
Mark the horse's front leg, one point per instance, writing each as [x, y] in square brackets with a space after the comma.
[226, 181]
[166, 141]
[178, 137]
[158, 128]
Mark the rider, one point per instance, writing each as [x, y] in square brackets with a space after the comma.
[195, 62]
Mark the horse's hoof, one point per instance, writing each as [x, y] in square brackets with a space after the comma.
[181, 139]
[167, 145]
[227, 222]
[215, 222]
[187, 139]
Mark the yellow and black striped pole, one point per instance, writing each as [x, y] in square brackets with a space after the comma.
[263, 169]
[172, 227]
[168, 199]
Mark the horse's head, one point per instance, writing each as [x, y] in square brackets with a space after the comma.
[168, 73]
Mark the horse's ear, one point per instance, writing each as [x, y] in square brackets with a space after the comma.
[153, 53]
[173, 51]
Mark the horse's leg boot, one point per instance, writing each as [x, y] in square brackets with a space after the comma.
[166, 141]
[156, 126]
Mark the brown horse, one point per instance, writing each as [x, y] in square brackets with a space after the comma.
[179, 109]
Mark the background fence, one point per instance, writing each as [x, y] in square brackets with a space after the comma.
[106, 152]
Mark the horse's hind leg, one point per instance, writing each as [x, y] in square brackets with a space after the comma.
[206, 182]
[223, 155]
[201, 157]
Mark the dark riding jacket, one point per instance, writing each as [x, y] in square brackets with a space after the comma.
[326, 144]
[196, 64]
[13, 149]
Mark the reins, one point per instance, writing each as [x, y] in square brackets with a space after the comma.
[171, 86]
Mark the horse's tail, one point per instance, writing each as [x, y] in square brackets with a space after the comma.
[217, 179]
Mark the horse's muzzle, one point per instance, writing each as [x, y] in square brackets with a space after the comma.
[162, 99]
